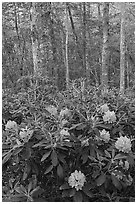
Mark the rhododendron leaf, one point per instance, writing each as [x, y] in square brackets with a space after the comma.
[81, 127]
[49, 169]
[131, 159]
[107, 154]
[120, 156]
[6, 158]
[78, 197]
[65, 193]
[72, 192]
[104, 126]
[116, 182]
[75, 126]
[101, 179]
[87, 191]
[17, 151]
[26, 171]
[21, 189]
[46, 155]
[65, 186]
[54, 158]
[60, 171]
[84, 157]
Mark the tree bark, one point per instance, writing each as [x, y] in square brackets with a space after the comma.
[34, 37]
[122, 49]
[78, 48]
[105, 51]
[84, 40]
[54, 49]
[66, 46]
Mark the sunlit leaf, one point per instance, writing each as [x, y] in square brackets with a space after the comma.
[101, 179]
[45, 156]
[48, 169]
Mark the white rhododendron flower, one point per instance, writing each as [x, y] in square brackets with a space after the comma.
[52, 110]
[126, 165]
[109, 117]
[85, 142]
[77, 180]
[104, 135]
[104, 108]
[11, 125]
[64, 122]
[123, 144]
[25, 134]
[64, 112]
[121, 162]
[64, 132]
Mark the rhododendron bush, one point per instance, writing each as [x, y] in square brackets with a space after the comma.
[68, 147]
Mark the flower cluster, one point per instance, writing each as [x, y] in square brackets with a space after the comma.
[85, 142]
[77, 180]
[123, 144]
[104, 108]
[25, 134]
[11, 125]
[64, 112]
[52, 110]
[105, 136]
[64, 132]
[109, 117]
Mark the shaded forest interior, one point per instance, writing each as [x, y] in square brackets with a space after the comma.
[67, 41]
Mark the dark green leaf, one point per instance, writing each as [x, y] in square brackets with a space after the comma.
[120, 156]
[54, 158]
[107, 126]
[116, 182]
[60, 171]
[72, 192]
[107, 154]
[78, 197]
[65, 186]
[21, 189]
[81, 126]
[26, 171]
[49, 169]
[17, 151]
[45, 156]
[101, 179]
[88, 192]
[6, 158]
[84, 158]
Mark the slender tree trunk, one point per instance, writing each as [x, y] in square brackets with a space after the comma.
[54, 48]
[78, 48]
[66, 45]
[34, 37]
[122, 49]
[19, 40]
[84, 39]
[105, 52]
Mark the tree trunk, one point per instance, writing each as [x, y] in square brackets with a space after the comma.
[105, 52]
[122, 49]
[54, 49]
[34, 37]
[66, 45]
[84, 40]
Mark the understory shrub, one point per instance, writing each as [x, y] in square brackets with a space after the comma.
[74, 145]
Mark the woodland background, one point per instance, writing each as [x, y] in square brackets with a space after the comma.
[67, 41]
